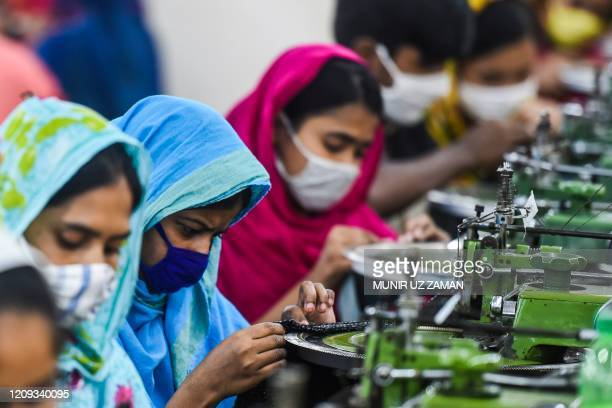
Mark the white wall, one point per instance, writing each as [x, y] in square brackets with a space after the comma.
[215, 50]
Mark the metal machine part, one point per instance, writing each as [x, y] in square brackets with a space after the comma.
[522, 305]
[312, 349]
[586, 171]
[505, 195]
[505, 309]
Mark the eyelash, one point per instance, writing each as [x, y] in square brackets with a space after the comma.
[334, 148]
[189, 232]
[73, 246]
[359, 154]
[69, 245]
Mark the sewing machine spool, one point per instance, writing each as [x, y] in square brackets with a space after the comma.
[312, 348]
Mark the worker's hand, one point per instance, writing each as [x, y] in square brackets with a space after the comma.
[422, 228]
[332, 265]
[529, 113]
[486, 143]
[315, 305]
[238, 364]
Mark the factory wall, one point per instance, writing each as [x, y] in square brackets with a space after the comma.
[215, 50]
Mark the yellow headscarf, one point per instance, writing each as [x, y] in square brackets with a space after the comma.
[446, 124]
[478, 5]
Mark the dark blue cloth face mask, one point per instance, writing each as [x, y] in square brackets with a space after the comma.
[180, 268]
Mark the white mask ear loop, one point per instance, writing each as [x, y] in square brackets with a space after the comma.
[294, 137]
[386, 60]
[287, 124]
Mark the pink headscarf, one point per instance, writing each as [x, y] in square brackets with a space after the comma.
[21, 72]
[275, 247]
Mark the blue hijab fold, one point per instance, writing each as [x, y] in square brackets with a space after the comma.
[198, 160]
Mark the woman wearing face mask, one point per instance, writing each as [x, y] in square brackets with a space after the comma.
[71, 184]
[204, 181]
[496, 80]
[314, 123]
[30, 337]
[570, 31]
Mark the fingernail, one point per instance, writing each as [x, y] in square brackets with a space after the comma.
[310, 307]
[322, 307]
[304, 322]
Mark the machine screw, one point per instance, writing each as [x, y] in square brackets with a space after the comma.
[497, 305]
[479, 209]
[382, 375]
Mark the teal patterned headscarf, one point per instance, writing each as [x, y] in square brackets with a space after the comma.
[44, 142]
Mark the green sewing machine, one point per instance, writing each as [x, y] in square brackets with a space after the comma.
[440, 367]
[540, 285]
[535, 304]
[569, 173]
[517, 335]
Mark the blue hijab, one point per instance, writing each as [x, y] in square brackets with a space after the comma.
[105, 60]
[198, 160]
[44, 143]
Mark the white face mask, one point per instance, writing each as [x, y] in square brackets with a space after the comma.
[407, 100]
[495, 102]
[79, 289]
[322, 183]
